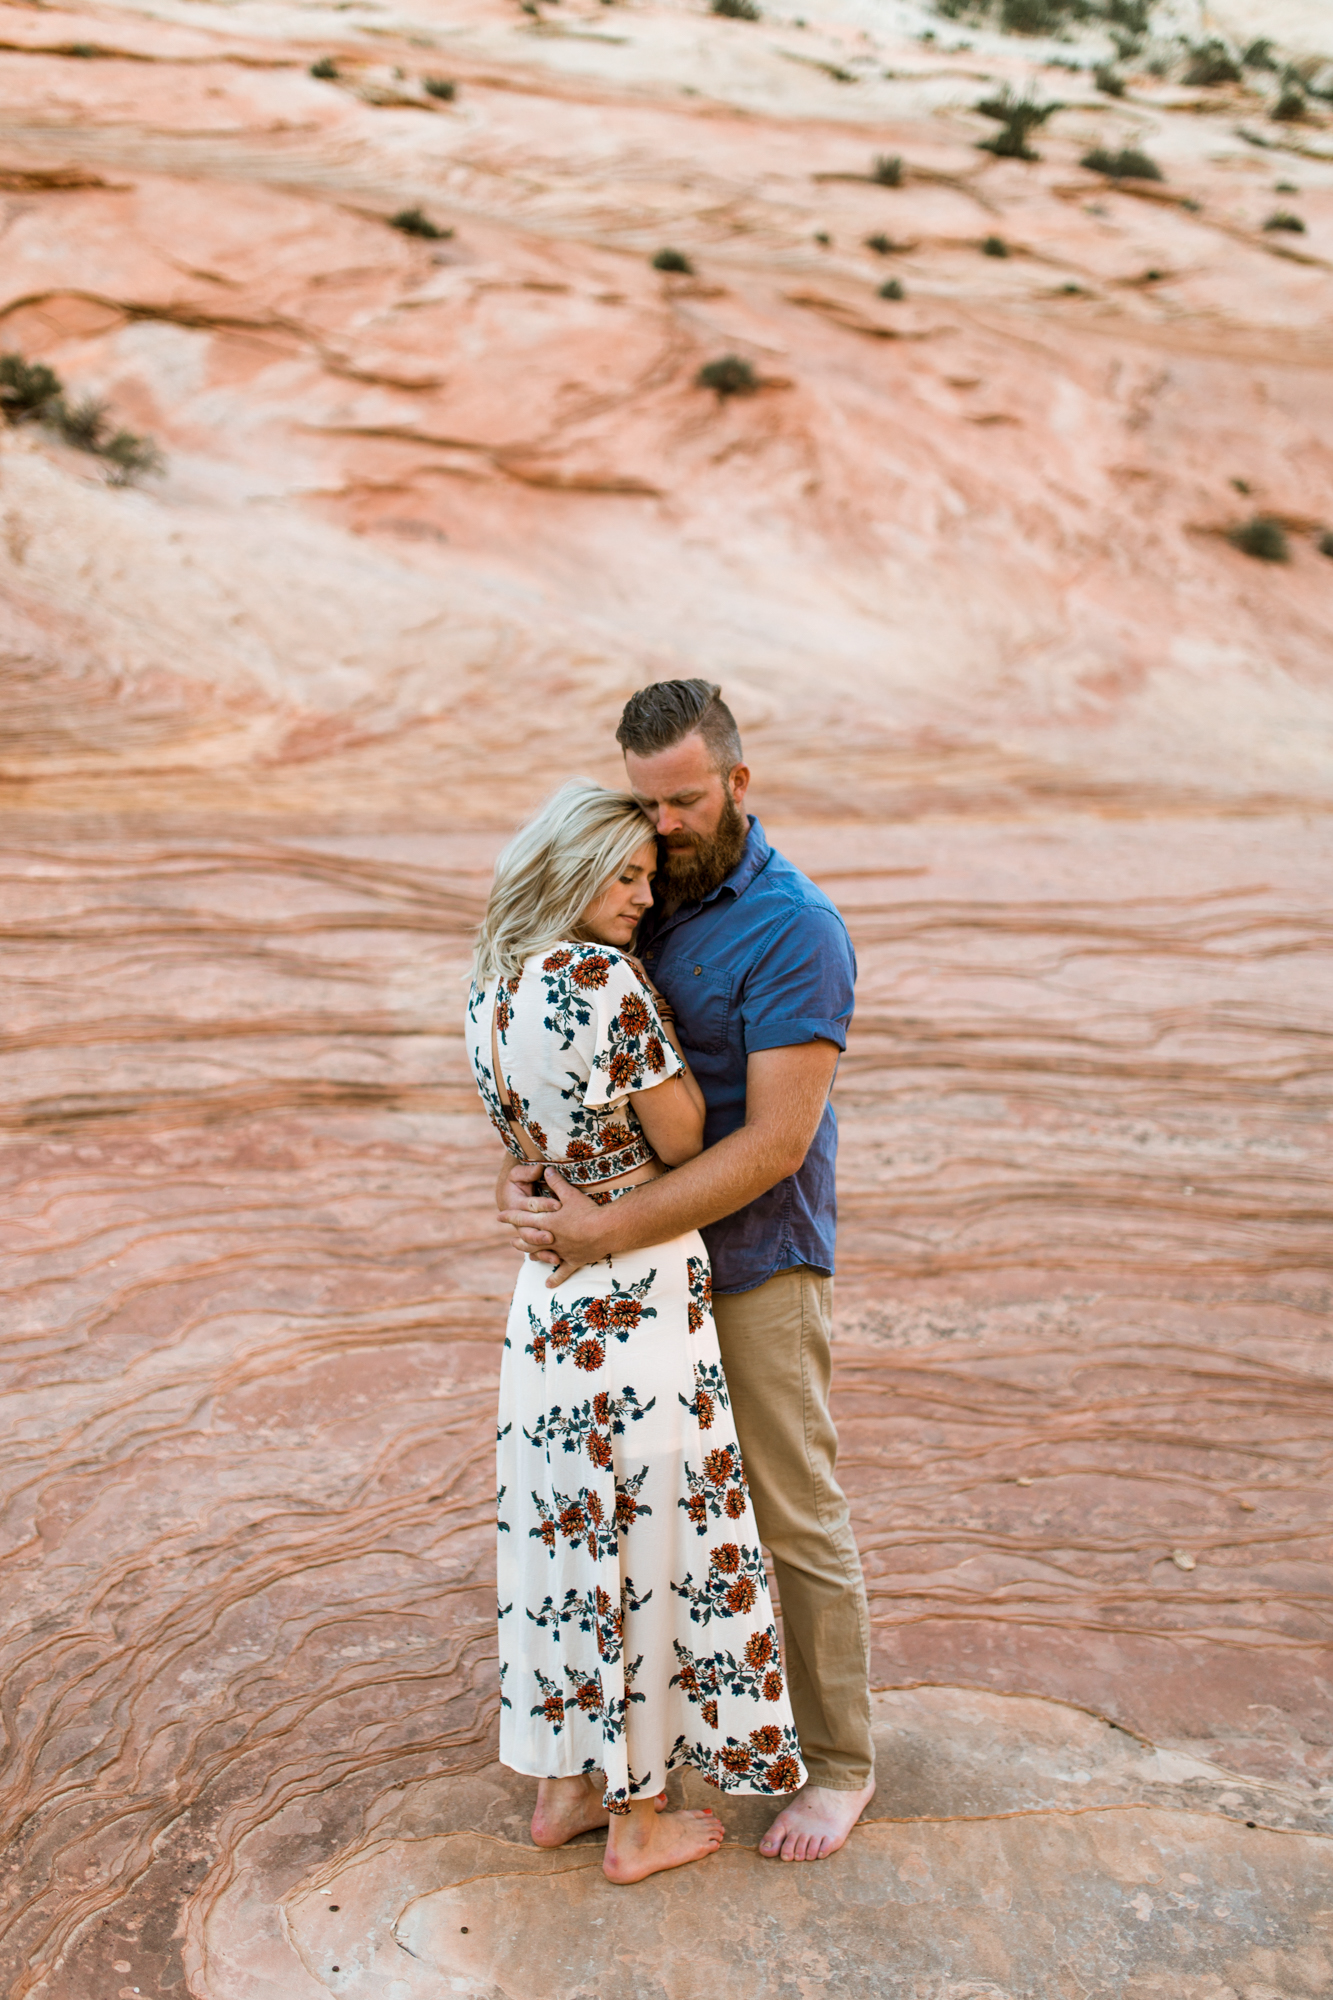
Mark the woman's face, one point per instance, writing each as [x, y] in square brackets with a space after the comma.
[614, 914]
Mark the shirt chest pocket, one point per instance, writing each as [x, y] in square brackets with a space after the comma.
[702, 995]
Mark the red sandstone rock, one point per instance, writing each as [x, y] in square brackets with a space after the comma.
[1061, 753]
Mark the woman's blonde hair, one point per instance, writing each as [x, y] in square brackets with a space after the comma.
[552, 870]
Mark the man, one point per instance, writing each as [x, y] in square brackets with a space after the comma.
[757, 964]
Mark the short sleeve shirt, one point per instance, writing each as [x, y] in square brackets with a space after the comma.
[764, 962]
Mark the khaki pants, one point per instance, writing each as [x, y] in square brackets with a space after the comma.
[775, 1350]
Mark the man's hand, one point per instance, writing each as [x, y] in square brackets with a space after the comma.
[513, 1193]
[580, 1223]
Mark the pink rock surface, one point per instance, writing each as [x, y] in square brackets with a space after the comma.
[1060, 753]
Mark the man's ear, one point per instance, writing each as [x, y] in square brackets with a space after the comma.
[739, 781]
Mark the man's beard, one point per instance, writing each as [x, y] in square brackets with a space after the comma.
[694, 872]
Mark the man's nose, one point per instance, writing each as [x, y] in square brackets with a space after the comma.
[668, 821]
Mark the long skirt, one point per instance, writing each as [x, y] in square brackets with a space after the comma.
[636, 1628]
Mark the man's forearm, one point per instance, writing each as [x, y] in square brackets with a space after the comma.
[718, 1182]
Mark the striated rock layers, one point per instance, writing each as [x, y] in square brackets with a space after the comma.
[434, 504]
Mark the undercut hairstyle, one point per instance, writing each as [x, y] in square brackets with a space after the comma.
[660, 716]
[551, 872]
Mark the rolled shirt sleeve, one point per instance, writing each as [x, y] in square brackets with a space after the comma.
[801, 985]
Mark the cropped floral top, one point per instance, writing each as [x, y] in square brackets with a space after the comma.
[579, 1035]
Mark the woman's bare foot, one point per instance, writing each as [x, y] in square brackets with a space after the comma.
[645, 1840]
[569, 1806]
[815, 1824]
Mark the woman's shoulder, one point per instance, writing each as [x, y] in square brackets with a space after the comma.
[582, 968]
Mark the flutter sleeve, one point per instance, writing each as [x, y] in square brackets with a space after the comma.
[630, 1051]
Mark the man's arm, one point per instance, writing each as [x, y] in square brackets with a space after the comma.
[785, 1093]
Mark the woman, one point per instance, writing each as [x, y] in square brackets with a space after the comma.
[636, 1631]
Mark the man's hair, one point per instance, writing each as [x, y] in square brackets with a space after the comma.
[660, 716]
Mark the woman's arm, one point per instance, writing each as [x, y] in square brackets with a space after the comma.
[671, 1113]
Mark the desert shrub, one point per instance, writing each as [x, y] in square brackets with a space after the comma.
[1212, 63]
[82, 424]
[325, 70]
[1018, 117]
[1127, 164]
[887, 170]
[30, 392]
[1261, 537]
[736, 10]
[673, 260]
[86, 51]
[994, 246]
[1325, 543]
[1282, 218]
[1259, 54]
[822, 238]
[892, 289]
[1290, 106]
[1031, 17]
[415, 222]
[1108, 81]
[26, 388]
[731, 375]
[882, 245]
[442, 87]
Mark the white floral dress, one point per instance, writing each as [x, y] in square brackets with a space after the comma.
[636, 1629]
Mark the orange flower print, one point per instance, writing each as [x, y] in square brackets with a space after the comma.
[548, 1533]
[561, 1333]
[589, 1355]
[599, 1447]
[734, 1757]
[634, 1015]
[773, 1686]
[734, 1504]
[741, 1596]
[718, 1466]
[784, 1774]
[697, 1509]
[573, 1520]
[627, 1510]
[614, 1135]
[590, 973]
[557, 961]
[696, 1313]
[620, 1070]
[759, 1651]
[595, 1507]
[709, 1713]
[727, 1559]
[589, 1697]
[652, 1054]
[553, 1709]
[601, 1407]
[539, 1348]
[626, 1312]
[579, 1149]
[537, 1134]
[767, 1739]
[597, 1312]
[688, 1679]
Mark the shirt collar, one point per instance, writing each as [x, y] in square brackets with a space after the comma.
[755, 856]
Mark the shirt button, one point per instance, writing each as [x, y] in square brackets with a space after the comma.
[697, 970]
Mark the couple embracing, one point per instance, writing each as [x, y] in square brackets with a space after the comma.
[658, 1003]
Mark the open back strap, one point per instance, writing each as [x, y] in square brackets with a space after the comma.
[583, 1169]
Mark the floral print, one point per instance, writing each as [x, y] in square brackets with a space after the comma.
[636, 1631]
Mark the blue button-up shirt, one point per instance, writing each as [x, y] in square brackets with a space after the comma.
[762, 963]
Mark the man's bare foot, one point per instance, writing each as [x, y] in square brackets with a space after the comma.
[640, 1842]
[569, 1806]
[815, 1824]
